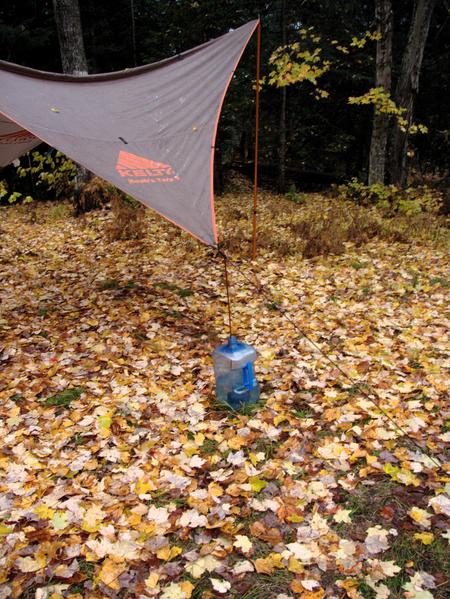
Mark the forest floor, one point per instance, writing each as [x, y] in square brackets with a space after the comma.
[120, 476]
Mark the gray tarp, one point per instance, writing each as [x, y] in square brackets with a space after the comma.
[150, 131]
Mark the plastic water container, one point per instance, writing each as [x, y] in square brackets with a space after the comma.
[234, 370]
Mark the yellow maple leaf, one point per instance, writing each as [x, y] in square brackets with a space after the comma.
[279, 419]
[143, 486]
[425, 537]
[257, 484]
[44, 512]
[313, 594]
[92, 520]
[256, 457]
[134, 519]
[199, 439]
[267, 565]
[422, 517]
[110, 572]
[5, 530]
[237, 442]
[401, 475]
[167, 553]
[295, 518]
[295, 566]
[215, 490]
[60, 521]
[178, 590]
[105, 421]
[152, 581]
[197, 568]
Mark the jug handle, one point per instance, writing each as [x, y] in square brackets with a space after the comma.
[248, 375]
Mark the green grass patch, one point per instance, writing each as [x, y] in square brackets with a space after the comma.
[64, 398]
[86, 568]
[78, 439]
[108, 284]
[266, 446]
[358, 265]
[440, 281]
[264, 586]
[184, 292]
[303, 413]
[209, 447]
[162, 498]
[433, 559]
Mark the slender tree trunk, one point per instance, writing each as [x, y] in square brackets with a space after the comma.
[70, 35]
[218, 171]
[408, 85]
[73, 59]
[380, 128]
[282, 121]
[133, 32]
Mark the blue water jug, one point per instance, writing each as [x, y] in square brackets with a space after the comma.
[234, 370]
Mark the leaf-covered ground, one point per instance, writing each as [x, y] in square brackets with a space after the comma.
[121, 477]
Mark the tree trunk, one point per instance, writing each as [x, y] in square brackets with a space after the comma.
[73, 59]
[133, 32]
[380, 127]
[70, 35]
[282, 121]
[408, 85]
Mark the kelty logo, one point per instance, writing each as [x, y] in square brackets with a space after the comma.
[139, 170]
[17, 137]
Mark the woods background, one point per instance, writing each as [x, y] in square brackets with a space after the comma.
[307, 139]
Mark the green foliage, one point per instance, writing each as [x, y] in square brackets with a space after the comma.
[368, 36]
[297, 63]
[384, 104]
[108, 284]
[52, 175]
[86, 568]
[391, 199]
[12, 197]
[59, 212]
[51, 172]
[295, 196]
[303, 61]
[64, 398]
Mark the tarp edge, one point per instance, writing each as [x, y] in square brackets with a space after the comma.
[29, 72]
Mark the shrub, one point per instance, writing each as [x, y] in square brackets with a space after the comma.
[392, 200]
[295, 196]
[12, 197]
[94, 194]
[127, 214]
[53, 174]
[325, 228]
[319, 226]
[59, 212]
[127, 218]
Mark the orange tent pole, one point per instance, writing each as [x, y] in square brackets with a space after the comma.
[255, 183]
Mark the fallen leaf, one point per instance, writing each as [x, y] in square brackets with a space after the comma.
[342, 516]
[110, 572]
[221, 586]
[243, 543]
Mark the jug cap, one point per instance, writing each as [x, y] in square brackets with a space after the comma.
[232, 341]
